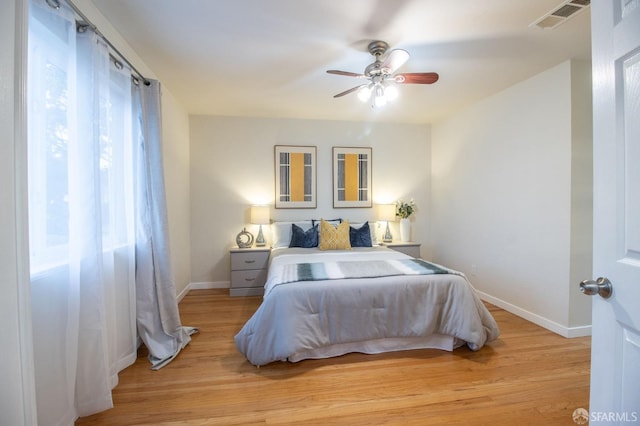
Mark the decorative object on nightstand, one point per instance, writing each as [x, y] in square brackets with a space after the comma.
[248, 271]
[387, 213]
[244, 239]
[260, 216]
[404, 211]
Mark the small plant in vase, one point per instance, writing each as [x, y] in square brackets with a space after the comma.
[404, 210]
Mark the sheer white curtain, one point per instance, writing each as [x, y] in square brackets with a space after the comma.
[99, 242]
[82, 234]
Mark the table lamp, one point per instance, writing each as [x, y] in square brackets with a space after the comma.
[387, 213]
[260, 216]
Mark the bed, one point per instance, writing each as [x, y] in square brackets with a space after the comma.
[326, 303]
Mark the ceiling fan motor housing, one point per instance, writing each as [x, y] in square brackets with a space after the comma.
[377, 49]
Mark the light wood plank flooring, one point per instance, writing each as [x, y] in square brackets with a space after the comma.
[529, 376]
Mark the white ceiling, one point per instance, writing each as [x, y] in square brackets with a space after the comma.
[268, 58]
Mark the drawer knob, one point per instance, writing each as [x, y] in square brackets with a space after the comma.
[249, 261]
[249, 279]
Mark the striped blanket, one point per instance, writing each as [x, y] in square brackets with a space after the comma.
[357, 269]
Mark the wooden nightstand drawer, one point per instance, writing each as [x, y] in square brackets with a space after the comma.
[248, 271]
[248, 278]
[249, 260]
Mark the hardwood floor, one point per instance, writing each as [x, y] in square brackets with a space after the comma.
[529, 376]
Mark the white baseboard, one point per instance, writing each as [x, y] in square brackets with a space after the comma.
[183, 293]
[553, 326]
[202, 286]
[582, 331]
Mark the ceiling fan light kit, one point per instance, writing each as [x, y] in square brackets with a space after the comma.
[380, 73]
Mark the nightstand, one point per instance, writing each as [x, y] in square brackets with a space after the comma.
[410, 248]
[248, 271]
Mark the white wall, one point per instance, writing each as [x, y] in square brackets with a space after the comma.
[176, 152]
[232, 168]
[511, 196]
[581, 189]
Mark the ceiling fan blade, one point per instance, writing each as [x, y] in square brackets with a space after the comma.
[347, 73]
[346, 92]
[416, 78]
[394, 60]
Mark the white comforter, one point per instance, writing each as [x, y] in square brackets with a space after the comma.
[330, 316]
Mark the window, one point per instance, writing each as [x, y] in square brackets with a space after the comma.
[80, 141]
[49, 94]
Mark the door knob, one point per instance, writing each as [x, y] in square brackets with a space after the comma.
[601, 286]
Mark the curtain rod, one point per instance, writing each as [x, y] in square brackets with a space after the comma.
[56, 5]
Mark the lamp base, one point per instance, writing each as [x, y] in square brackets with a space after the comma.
[260, 242]
[387, 238]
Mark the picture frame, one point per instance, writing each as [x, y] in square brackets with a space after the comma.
[352, 177]
[295, 177]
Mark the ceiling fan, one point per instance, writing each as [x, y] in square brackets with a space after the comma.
[381, 85]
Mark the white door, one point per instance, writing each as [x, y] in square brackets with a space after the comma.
[615, 354]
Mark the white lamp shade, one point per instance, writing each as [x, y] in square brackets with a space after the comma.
[387, 212]
[260, 215]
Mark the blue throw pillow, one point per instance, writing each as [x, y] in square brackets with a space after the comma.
[360, 237]
[304, 239]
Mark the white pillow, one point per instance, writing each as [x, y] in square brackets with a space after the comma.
[281, 232]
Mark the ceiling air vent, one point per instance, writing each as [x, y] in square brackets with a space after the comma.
[561, 13]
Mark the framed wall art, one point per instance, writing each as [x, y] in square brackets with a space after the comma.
[351, 177]
[295, 168]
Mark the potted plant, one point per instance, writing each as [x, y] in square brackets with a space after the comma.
[404, 210]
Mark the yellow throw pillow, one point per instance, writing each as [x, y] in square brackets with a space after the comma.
[334, 237]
